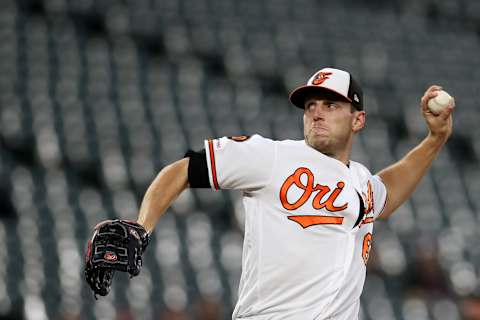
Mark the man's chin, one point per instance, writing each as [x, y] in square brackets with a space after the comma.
[320, 144]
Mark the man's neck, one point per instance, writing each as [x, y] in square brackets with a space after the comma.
[345, 159]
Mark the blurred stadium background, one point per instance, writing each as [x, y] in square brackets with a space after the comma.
[97, 96]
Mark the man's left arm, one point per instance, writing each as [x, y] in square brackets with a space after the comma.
[402, 177]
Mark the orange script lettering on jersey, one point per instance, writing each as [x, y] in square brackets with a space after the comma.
[309, 188]
[368, 198]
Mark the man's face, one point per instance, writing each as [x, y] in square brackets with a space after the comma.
[329, 122]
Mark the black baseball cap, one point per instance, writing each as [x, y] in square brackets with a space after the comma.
[334, 80]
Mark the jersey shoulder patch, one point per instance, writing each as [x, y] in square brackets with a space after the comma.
[239, 138]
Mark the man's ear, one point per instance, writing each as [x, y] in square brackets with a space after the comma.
[358, 121]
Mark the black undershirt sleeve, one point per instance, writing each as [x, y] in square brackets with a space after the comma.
[197, 169]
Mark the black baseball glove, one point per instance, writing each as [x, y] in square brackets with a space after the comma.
[116, 245]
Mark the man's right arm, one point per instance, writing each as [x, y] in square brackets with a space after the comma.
[228, 164]
[164, 189]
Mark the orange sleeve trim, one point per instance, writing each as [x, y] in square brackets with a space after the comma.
[212, 162]
[308, 221]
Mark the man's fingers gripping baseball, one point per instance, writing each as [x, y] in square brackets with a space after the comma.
[446, 113]
[430, 93]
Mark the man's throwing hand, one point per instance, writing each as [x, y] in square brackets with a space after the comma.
[440, 125]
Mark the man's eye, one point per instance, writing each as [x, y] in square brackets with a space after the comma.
[332, 105]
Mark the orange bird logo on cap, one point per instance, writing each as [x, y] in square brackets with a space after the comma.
[320, 78]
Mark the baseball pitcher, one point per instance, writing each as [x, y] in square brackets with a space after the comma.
[309, 209]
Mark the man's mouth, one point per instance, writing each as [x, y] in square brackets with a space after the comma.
[319, 129]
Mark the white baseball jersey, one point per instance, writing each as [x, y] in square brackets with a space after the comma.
[304, 252]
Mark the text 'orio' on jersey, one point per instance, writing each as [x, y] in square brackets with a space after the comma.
[368, 200]
[323, 198]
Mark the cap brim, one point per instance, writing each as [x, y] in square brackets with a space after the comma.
[297, 97]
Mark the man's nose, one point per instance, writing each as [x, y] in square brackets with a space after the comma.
[318, 110]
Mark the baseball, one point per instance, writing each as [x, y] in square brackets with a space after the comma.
[440, 102]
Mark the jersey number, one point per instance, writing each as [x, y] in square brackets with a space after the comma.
[367, 245]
